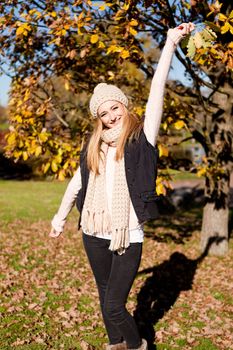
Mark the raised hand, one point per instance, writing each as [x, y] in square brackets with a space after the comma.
[179, 32]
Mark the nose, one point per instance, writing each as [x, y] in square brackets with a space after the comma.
[112, 116]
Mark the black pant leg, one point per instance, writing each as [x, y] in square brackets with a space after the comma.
[100, 259]
[123, 271]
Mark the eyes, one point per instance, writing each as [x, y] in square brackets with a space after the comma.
[113, 108]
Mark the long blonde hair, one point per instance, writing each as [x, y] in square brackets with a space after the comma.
[131, 128]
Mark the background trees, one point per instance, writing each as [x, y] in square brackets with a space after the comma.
[59, 50]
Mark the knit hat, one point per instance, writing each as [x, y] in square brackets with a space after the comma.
[106, 92]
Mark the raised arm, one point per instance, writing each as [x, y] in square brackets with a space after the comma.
[154, 107]
[67, 204]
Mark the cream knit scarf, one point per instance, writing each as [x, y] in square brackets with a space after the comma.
[95, 214]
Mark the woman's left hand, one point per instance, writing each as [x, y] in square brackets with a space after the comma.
[177, 33]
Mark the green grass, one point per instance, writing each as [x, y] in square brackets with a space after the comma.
[30, 200]
[39, 200]
[4, 126]
[205, 344]
[182, 175]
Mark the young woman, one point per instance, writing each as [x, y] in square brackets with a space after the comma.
[114, 188]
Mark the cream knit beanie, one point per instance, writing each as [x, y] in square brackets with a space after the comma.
[106, 92]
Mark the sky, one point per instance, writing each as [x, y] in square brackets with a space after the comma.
[176, 73]
[4, 88]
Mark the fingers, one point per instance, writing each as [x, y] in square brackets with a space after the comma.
[53, 233]
[186, 28]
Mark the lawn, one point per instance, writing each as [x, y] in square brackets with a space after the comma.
[180, 299]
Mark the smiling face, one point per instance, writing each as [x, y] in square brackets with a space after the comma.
[111, 113]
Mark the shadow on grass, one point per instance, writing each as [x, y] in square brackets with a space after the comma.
[161, 290]
[176, 228]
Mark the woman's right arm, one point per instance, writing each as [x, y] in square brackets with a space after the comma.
[67, 204]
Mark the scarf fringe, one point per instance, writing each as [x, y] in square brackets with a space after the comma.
[120, 240]
[96, 222]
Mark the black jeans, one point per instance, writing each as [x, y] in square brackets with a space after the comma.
[114, 275]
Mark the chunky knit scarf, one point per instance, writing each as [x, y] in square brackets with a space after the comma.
[95, 214]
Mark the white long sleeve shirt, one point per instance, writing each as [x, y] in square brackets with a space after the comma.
[153, 115]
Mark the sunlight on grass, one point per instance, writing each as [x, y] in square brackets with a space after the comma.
[30, 200]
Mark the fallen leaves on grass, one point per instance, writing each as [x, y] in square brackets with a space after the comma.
[49, 298]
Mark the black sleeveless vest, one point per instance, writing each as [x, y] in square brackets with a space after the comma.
[141, 172]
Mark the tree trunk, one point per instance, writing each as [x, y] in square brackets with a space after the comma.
[214, 232]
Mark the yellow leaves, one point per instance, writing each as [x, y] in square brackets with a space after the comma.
[54, 166]
[20, 143]
[191, 47]
[94, 38]
[67, 85]
[11, 138]
[213, 51]
[227, 27]
[160, 188]
[80, 16]
[58, 32]
[25, 155]
[164, 126]
[111, 75]
[126, 6]
[200, 60]
[2, 21]
[18, 118]
[133, 23]
[23, 29]
[231, 15]
[114, 48]
[104, 6]
[222, 17]
[163, 151]
[227, 22]
[62, 32]
[26, 95]
[35, 12]
[179, 124]
[201, 172]
[53, 14]
[46, 167]
[73, 164]
[38, 151]
[124, 54]
[133, 31]
[70, 163]
[215, 8]
[139, 110]
[101, 45]
[43, 137]
[61, 175]
[198, 40]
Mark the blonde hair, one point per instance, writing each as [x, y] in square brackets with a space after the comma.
[131, 127]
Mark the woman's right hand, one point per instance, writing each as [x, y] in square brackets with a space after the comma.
[53, 233]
